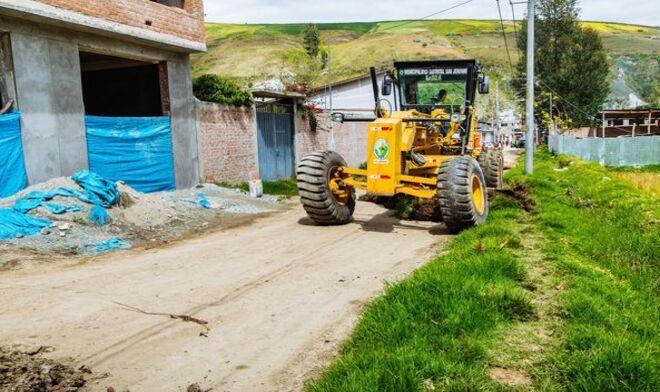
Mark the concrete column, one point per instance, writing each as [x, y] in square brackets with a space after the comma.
[49, 90]
[7, 85]
[184, 122]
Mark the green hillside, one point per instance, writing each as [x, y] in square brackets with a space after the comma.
[250, 53]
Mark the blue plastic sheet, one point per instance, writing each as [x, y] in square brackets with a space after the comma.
[203, 201]
[98, 216]
[96, 190]
[137, 151]
[100, 191]
[59, 209]
[107, 246]
[12, 166]
[14, 224]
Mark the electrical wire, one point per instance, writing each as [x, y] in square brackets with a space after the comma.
[427, 16]
[506, 42]
[513, 16]
[575, 106]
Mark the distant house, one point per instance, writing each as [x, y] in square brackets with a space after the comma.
[352, 95]
[631, 122]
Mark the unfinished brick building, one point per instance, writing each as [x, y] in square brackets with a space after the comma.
[64, 60]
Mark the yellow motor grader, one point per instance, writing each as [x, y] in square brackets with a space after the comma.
[425, 145]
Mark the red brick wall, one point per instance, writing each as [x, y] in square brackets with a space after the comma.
[350, 139]
[228, 143]
[185, 23]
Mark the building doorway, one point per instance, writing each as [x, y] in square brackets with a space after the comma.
[275, 123]
[120, 87]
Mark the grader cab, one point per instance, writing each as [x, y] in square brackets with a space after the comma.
[425, 145]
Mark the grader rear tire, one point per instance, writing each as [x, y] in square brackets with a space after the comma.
[325, 200]
[492, 165]
[462, 193]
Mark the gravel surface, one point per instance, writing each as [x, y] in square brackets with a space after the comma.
[141, 219]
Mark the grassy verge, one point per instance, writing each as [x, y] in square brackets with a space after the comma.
[602, 237]
[287, 188]
[561, 298]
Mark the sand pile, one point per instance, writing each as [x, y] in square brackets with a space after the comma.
[140, 218]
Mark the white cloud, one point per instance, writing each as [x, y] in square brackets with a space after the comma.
[300, 11]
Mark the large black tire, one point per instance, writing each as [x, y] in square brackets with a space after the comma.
[457, 192]
[313, 174]
[492, 165]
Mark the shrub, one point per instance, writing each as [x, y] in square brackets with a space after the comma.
[213, 88]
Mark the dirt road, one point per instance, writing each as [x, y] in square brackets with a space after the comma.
[279, 296]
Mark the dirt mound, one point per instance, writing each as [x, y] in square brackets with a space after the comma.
[522, 193]
[139, 219]
[22, 372]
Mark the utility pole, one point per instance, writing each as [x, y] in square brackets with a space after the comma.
[531, 140]
[498, 126]
[331, 142]
[552, 118]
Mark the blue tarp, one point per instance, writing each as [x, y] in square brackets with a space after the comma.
[100, 191]
[106, 246]
[96, 190]
[137, 151]
[59, 209]
[12, 166]
[98, 216]
[14, 224]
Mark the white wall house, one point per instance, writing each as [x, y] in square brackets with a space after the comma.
[352, 95]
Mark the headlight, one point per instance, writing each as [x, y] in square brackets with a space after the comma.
[457, 118]
[337, 117]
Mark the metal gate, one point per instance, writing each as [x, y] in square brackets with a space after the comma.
[275, 136]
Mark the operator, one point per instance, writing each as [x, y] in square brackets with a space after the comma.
[442, 96]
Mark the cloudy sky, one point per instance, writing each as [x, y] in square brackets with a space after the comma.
[318, 11]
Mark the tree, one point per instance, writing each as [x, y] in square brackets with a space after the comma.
[571, 64]
[308, 61]
[312, 41]
[213, 88]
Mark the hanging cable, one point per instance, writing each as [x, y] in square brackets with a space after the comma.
[428, 16]
[506, 42]
[576, 107]
[513, 16]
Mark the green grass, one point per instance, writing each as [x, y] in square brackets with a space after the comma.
[602, 235]
[286, 188]
[436, 326]
[566, 295]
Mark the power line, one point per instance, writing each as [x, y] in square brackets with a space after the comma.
[428, 16]
[577, 107]
[513, 16]
[506, 42]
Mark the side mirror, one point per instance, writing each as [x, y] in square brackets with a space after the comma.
[484, 85]
[386, 89]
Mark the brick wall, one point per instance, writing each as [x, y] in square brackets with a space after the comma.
[187, 23]
[350, 139]
[228, 143]
[228, 140]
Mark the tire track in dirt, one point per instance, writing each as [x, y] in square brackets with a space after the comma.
[273, 292]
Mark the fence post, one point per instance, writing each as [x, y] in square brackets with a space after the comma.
[650, 119]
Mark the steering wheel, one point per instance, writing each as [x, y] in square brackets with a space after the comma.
[453, 103]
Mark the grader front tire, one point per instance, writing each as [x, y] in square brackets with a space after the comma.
[462, 193]
[324, 198]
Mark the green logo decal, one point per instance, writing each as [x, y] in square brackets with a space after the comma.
[381, 149]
